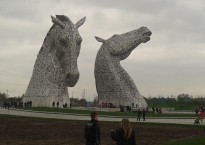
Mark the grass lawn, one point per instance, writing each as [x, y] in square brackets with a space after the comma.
[176, 105]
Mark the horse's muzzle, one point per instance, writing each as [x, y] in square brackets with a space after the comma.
[72, 79]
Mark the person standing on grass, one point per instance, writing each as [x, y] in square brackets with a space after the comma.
[8, 106]
[124, 135]
[53, 104]
[92, 130]
[197, 111]
[201, 115]
[153, 110]
[139, 112]
[143, 114]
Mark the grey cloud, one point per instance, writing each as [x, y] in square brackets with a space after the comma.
[144, 7]
[177, 42]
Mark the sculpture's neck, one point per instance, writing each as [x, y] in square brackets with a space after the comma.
[125, 55]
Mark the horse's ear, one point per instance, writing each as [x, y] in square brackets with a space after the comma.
[80, 22]
[57, 22]
[99, 39]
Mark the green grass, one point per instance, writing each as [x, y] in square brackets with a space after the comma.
[176, 105]
[15, 117]
[200, 140]
[5, 117]
[104, 113]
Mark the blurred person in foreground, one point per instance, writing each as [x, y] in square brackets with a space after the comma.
[92, 130]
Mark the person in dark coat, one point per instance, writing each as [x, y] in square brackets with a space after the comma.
[124, 135]
[92, 130]
[143, 114]
[139, 112]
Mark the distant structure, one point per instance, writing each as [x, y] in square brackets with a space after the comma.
[56, 67]
[113, 83]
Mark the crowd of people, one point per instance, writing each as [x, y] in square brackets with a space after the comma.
[56, 104]
[156, 110]
[141, 113]
[8, 105]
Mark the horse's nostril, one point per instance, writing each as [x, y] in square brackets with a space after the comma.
[72, 76]
[72, 79]
[67, 76]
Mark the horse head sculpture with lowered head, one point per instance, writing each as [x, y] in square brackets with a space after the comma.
[68, 42]
[56, 67]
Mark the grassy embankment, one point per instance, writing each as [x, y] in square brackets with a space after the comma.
[189, 106]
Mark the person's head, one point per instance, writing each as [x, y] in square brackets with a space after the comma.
[94, 115]
[126, 126]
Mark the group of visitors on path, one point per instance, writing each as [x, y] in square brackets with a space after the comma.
[139, 113]
[124, 135]
[8, 105]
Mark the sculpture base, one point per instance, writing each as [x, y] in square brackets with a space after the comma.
[47, 102]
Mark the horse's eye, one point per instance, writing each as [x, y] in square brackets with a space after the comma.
[63, 42]
[78, 41]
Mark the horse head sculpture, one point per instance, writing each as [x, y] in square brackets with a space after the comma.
[113, 83]
[67, 42]
[56, 67]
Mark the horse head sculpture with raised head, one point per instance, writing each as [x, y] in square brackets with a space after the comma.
[113, 83]
[56, 66]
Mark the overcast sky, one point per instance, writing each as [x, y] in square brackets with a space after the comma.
[172, 62]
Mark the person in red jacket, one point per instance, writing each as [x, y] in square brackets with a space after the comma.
[201, 115]
[124, 135]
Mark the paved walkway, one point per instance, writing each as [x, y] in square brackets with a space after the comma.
[68, 116]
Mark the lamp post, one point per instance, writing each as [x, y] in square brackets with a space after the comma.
[7, 93]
